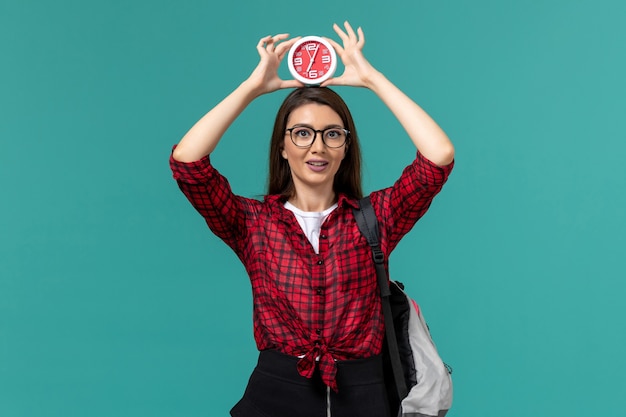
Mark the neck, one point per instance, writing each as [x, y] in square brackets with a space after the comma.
[313, 201]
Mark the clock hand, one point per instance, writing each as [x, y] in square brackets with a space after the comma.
[312, 58]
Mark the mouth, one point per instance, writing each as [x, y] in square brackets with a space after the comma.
[317, 166]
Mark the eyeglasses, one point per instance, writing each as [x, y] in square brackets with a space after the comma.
[303, 137]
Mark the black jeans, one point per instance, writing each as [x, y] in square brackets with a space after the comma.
[276, 389]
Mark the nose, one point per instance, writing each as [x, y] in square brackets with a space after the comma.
[318, 145]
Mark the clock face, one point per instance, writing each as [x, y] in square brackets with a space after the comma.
[312, 60]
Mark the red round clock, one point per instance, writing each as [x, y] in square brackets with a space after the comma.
[312, 60]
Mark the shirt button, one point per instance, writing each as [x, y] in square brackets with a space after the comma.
[318, 331]
[319, 291]
[323, 236]
[320, 262]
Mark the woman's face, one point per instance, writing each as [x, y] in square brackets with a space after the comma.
[313, 167]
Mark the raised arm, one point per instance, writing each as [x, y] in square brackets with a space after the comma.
[204, 136]
[428, 137]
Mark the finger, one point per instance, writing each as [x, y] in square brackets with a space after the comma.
[271, 41]
[338, 48]
[333, 81]
[361, 41]
[349, 30]
[340, 32]
[261, 45]
[280, 37]
[263, 41]
[276, 39]
[269, 46]
[283, 47]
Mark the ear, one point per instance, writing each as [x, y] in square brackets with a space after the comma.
[283, 153]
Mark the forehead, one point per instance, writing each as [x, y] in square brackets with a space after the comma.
[314, 114]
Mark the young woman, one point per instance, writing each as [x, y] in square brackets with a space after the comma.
[317, 313]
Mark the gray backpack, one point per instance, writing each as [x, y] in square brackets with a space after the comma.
[419, 383]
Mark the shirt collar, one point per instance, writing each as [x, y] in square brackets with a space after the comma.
[343, 200]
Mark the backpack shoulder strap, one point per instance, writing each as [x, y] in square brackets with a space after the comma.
[368, 225]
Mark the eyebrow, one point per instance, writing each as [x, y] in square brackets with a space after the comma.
[311, 126]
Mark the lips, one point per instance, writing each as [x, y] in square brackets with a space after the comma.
[317, 165]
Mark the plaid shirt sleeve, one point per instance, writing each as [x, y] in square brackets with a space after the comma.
[403, 204]
[210, 194]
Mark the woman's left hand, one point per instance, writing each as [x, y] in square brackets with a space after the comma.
[358, 71]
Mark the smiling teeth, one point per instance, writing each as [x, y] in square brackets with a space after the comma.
[317, 164]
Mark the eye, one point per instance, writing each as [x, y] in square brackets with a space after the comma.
[334, 134]
[302, 132]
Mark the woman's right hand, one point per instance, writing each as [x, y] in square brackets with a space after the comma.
[272, 49]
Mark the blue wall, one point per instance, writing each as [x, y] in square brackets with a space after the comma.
[115, 299]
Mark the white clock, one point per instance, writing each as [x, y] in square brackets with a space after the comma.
[312, 60]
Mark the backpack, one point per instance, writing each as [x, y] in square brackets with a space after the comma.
[418, 382]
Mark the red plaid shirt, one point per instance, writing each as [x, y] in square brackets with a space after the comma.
[322, 307]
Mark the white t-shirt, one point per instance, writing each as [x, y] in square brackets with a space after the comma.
[311, 222]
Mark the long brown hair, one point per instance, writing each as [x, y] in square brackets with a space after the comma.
[348, 177]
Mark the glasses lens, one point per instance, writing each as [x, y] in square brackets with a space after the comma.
[302, 136]
[334, 138]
